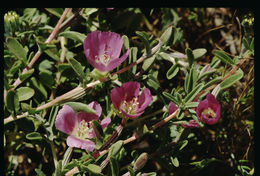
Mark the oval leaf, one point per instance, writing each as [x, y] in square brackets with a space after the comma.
[12, 101]
[190, 56]
[95, 169]
[166, 35]
[34, 136]
[199, 52]
[232, 79]
[223, 57]
[193, 93]
[172, 71]
[73, 35]
[76, 106]
[17, 49]
[25, 93]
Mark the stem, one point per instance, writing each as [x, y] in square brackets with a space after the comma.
[39, 52]
[165, 120]
[231, 72]
[115, 135]
[55, 160]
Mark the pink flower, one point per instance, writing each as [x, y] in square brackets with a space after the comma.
[78, 126]
[190, 124]
[208, 110]
[127, 101]
[103, 49]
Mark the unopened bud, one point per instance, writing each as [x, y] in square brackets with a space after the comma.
[140, 162]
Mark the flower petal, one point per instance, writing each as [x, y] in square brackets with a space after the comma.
[78, 143]
[66, 119]
[145, 99]
[114, 62]
[105, 122]
[172, 108]
[133, 115]
[116, 96]
[131, 89]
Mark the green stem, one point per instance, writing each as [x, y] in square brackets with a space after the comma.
[55, 160]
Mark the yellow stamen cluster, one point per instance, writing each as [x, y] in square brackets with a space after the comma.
[131, 106]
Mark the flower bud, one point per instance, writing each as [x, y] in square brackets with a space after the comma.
[140, 162]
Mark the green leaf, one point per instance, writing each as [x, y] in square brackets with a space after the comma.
[97, 129]
[191, 105]
[74, 36]
[12, 102]
[172, 71]
[223, 57]
[55, 11]
[232, 79]
[145, 39]
[39, 172]
[246, 43]
[193, 93]
[190, 56]
[77, 106]
[46, 66]
[62, 67]
[126, 42]
[190, 80]
[166, 35]
[183, 144]
[25, 93]
[46, 78]
[52, 54]
[26, 75]
[199, 52]
[148, 62]
[213, 81]
[17, 49]
[115, 148]
[133, 57]
[93, 168]
[175, 161]
[34, 136]
[39, 86]
[114, 166]
[15, 67]
[170, 97]
[153, 82]
[77, 67]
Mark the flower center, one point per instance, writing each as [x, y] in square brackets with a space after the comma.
[82, 130]
[209, 113]
[130, 107]
[103, 59]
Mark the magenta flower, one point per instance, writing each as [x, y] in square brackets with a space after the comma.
[103, 49]
[78, 126]
[127, 101]
[208, 110]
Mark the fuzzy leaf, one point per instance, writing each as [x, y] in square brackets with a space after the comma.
[26, 75]
[17, 49]
[77, 106]
[172, 71]
[166, 35]
[77, 67]
[223, 57]
[190, 56]
[193, 93]
[73, 35]
[232, 79]
[199, 52]
[25, 93]
[12, 101]
[34, 136]
[95, 169]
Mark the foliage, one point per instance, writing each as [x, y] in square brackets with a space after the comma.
[179, 54]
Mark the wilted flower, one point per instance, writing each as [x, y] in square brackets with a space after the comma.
[208, 110]
[103, 49]
[78, 126]
[127, 101]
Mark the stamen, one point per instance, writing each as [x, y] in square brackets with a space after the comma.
[131, 106]
[82, 130]
[209, 113]
[104, 59]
